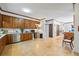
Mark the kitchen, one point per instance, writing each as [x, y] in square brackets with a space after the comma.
[16, 28]
[22, 34]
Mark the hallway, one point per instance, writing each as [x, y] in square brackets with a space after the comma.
[39, 47]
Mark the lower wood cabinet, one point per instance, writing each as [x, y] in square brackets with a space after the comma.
[9, 39]
[25, 37]
[2, 43]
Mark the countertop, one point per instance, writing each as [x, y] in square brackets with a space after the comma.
[2, 35]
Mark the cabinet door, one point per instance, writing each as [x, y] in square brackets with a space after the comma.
[7, 21]
[20, 23]
[2, 43]
[9, 39]
[31, 26]
[26, 37]
[1, 46]
[26, 24]
[30, 36]
[15, 25]
[0, 21]
[23, 37]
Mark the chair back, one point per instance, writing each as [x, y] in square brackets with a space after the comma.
[69, 35]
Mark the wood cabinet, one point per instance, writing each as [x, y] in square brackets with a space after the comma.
[7, 21]
[30, 24]
[18, 22]
[25, 37]
[0, 21]
[2, 43]
[33, 24]
[30, 36]
[26, 24]
[9, 39]
[14, 22]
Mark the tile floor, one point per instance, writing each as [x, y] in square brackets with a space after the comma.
[39, 47]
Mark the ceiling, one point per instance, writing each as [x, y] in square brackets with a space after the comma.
[62, 12]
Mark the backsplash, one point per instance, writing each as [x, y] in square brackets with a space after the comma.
[15, 31]
[11, 31]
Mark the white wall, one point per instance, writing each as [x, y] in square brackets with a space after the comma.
[67, 27]
[55, 23]
[76, 33]
[45, 27]
[46, 30]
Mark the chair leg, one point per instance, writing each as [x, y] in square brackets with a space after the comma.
[71, 45]
[63, 43]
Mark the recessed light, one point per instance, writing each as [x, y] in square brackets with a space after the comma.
[26, 10]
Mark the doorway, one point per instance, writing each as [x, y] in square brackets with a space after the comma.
[57, 30]
[50, 30]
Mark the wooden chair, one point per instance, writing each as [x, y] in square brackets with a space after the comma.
[68, 38]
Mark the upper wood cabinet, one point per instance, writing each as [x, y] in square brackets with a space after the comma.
[26, 24]
[33, 24]
[20, 23]
[14, 22]
[30, 24]
[0, 21]
[7, 21]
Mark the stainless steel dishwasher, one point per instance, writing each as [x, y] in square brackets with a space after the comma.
[16, 37]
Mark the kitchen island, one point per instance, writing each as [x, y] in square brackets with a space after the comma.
[6, 39]
[2, 42]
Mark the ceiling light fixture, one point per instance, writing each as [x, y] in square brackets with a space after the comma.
[26, 10]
